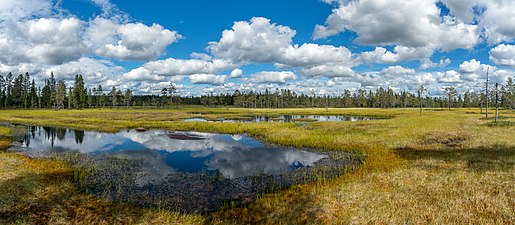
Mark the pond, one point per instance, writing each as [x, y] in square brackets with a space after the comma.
[285, 118]
[187, 171]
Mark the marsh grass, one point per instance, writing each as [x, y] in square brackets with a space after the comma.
[441, 167]
[502, 123]
[43, 191]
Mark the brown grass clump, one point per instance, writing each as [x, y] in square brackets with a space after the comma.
[447, 139]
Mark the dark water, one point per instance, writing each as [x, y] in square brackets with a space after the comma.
[287, 119]
[190, 171]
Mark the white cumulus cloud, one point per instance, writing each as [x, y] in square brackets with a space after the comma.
[44, 40]
[208, 79]
[255, 41]
[130, 41]
[397, 70]
[503, 55]
[260, 41]
[273, 77]
[407, 23]
[236, 73]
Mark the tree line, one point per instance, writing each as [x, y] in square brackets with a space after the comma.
[21, 92]
[379, 98]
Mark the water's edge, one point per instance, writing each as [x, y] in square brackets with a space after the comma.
[125, 178]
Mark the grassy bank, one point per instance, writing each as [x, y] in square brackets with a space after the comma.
[438, 167]
[36, 191]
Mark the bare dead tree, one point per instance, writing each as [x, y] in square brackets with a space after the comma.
[496, 102]
[313, 100]
[420, 93]
[486, 91]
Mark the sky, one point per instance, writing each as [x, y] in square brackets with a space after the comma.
[308, 46]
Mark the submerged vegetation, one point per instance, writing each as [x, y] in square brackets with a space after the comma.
[180, 171]
[118, 180]
[437, 167]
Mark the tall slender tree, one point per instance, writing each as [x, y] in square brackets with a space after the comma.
[70, 98]
[18, 91]
[33, 95]
[451, 93]
[486, 91]
[420, 96]
[8, 86]
[496, 102]
[102, 98]
[79, 92]
[114, 97]
[60, 95]
[127, 97]
[171, 93]
[52, 90]
[26, 86]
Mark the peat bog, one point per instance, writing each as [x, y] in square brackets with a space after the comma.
[183, 171]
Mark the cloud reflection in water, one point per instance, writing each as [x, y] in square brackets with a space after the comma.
[163, 152]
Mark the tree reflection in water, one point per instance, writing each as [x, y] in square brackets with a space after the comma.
[189, 171]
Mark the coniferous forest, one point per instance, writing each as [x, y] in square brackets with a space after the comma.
[22, 92]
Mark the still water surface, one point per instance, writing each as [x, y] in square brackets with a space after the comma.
[286, 119]
[163, 152]
[185, 171]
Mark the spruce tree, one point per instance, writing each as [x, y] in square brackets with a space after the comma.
[60, 95]
[26, 87]
[33, 95]
[79, 93]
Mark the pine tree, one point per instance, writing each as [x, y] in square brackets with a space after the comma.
[451, 93]
[17, 91]
[2, 91]
[52, 89]
[171, 93]
[79, 92]
[46, 95]
[60, 95]
[467, 99]
[33, 95]
[8, 87]
[164, 96]
[114, 98]
[119, 96]
[127, 97]
[26, 85]
[90, 98]
[101, 96]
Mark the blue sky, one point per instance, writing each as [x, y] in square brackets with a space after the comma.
[219, 46]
